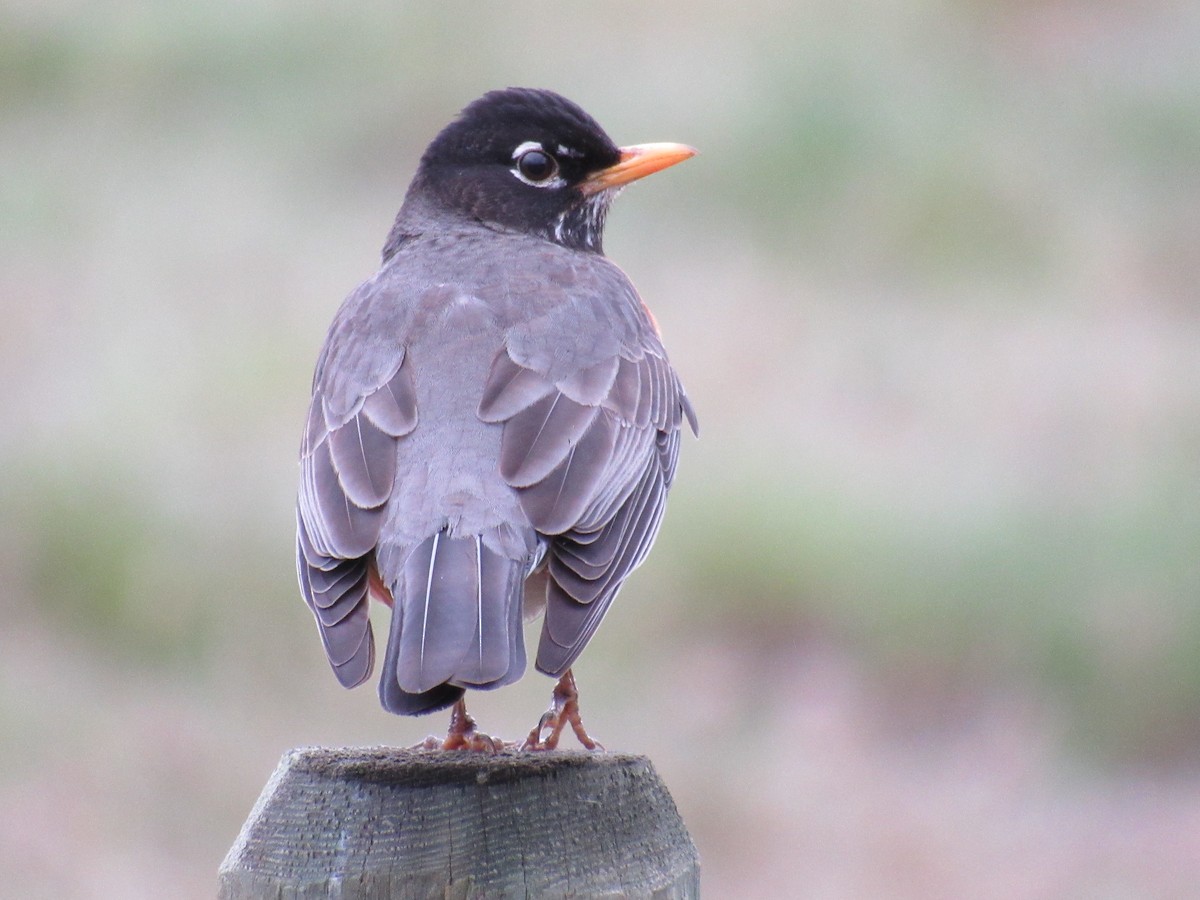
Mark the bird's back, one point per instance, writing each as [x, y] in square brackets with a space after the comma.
[453, 543]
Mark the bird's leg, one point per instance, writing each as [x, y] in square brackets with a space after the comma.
[563, 711]
[463, 735]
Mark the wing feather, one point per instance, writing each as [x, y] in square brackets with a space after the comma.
[592, 457]
[557, 502]
[509, 389]
[393, 407]
[365, 459]
[358, 665]
[624, 472]
[635, 519]
[334, 606]
[570, 619]
[642, 415]
[540, 437]
[591, 385]
[339, 527]
[658, 394]
[347, 474]
[626, 388]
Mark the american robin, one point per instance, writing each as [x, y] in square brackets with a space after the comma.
[494, 423]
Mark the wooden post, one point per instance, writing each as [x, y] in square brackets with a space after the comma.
[388, 823]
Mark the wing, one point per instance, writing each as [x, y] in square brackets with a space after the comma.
[347, 471]
[591, 455]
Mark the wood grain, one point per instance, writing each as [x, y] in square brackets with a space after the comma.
[389, 823]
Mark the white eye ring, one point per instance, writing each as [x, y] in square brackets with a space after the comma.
[554, 181]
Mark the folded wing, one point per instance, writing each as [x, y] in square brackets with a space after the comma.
[348, 469]
[592, 456]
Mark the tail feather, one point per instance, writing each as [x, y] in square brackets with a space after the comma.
[456, 622]
[405, 703]
[496, 655]
[441, 579]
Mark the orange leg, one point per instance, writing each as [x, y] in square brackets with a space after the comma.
[563, 711]
[463, 735]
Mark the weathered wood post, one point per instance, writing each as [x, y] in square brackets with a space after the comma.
[389, 823]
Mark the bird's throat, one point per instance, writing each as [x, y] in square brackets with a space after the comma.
[582, 226]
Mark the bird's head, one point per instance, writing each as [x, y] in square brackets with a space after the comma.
[533, 161]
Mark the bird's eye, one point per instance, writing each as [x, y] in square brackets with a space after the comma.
[536, 165]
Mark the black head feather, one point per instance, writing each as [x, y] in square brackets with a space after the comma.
[474, 167]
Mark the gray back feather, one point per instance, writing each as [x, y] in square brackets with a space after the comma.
[462, 434]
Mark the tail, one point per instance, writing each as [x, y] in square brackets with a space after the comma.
[456, 623]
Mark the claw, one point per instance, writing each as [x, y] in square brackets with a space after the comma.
[563, 711]
[462, 735]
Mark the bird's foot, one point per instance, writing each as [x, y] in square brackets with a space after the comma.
[462, 735]
[563, 711]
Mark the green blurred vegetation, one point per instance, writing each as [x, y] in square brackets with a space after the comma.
[962, 171]
[931, 284]
[1093, 608]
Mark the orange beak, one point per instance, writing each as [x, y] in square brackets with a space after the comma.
[637, 161]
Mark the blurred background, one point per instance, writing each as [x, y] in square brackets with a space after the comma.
[923, 620]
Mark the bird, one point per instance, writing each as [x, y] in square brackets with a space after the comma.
[494, 423]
